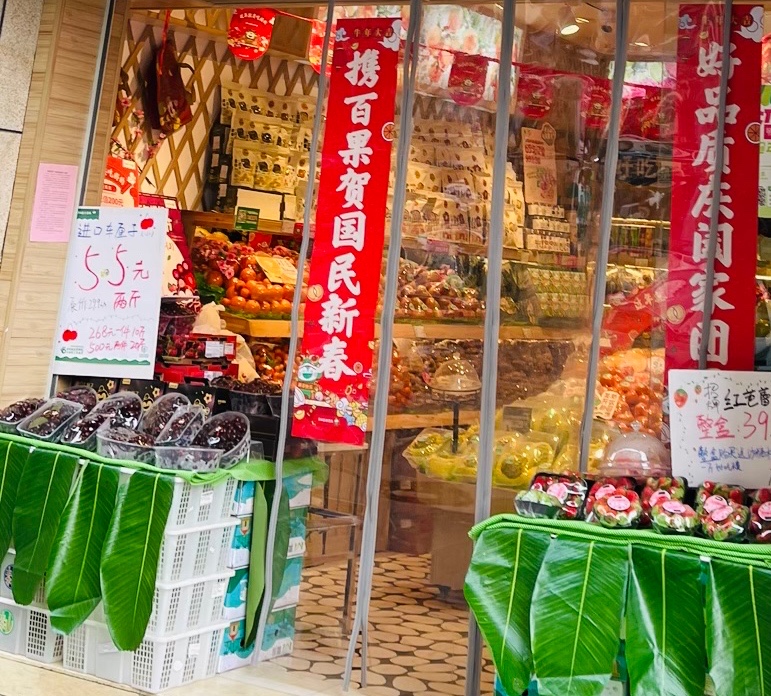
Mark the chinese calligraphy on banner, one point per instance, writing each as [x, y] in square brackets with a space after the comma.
[721, 426]
[331, 400]
[108, 321]
[699, 52]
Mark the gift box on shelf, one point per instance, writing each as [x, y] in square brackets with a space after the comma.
[243, 500]
[197, 348]
[288, 594]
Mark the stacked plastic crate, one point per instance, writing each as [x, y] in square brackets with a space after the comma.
[279, 633]
[185, 631]
[27, 630]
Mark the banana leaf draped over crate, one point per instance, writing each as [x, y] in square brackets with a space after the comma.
[94, 539]
[552, 599]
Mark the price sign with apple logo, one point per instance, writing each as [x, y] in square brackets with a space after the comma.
[108, 319]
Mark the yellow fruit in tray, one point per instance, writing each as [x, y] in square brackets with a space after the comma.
[442, 467]
[219, 237]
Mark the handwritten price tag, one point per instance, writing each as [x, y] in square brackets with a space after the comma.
[721, 426]
[108, 320]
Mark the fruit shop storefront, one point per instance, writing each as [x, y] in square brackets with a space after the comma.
[536, 184]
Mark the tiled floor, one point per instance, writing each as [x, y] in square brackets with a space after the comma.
[418, 645]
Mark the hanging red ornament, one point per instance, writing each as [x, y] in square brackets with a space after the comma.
[250, 32]
[534, 95]
[468, 75]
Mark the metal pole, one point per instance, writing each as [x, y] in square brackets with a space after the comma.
[294, 336]
[380, 411]
[484, 484]
[606, 215]
[714, 214]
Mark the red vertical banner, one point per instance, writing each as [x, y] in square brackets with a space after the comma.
[699, 66]
[332, 394]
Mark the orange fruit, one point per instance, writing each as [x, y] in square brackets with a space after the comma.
[238, 303]
[254, 288]
[230, 293]
[252, 307]
[215, 278]
[244, 292]
[248, 274]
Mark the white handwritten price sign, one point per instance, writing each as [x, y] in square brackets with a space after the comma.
[721, 426]
[108, 321]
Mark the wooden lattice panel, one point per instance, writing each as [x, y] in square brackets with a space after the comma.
[178, 166]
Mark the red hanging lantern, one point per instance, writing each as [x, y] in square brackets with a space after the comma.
[250, 32]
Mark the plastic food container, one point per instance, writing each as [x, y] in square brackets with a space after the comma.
[535, 503]
[181, 430]
[636, 454]
[229, 432]
[124, 408]
[50, 420]
[621, 509]
[15, 413]
[658, 491]
[760, 516]
[569, 489]
[604, 487]
[80, 394]
[161, 412]
[187, 458]
[728, 522]
[248, 403]
[82, 432]
[109, 443]
[712, 495]
[674, 517]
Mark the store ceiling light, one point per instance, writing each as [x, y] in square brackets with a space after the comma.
[567, 21]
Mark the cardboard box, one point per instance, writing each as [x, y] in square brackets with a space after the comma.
[298, 489]
[289, 591]
[298, 529]
[279, 634]
[241, 544]
[235, 596]
[232, 654]
[243, 499]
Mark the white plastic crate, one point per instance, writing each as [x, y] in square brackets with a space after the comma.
[27, 631]
[196, 505]
[185, 606]
[195, 552]
[6, 582]
[158, 663]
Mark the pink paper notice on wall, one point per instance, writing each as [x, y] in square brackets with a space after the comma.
[54, 208]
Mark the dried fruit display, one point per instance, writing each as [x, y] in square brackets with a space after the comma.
[16, 412]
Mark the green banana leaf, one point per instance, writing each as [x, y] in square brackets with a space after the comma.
[665, 624]
[43, 491]
[13, 456]
[130, 556]
[739, 629]
[280, 550]
[575, 621]
[256, 586]
[72, 584]
[499, 587]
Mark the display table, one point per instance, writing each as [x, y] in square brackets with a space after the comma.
[553, 600]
